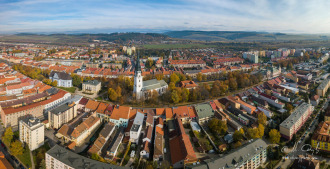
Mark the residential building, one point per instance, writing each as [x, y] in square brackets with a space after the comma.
[315, 100]
[272, 100]
[305, 162]
[251, 156]
[322, 89]
[31, 132]
[63, 79]
[181, 149]
[243, 105]
[187, 63]
[117, 140]
[80, 132]
[136, 128]
[100, 144]
[188, 84]
[321, 137]
[91, 86]
[158, 144]
[204, 112]
[91, 105]
[227, 61]
[60, 158]
[62, 114]
[120, 116]
[293, 123]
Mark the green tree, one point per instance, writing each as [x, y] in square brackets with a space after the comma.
[199, 77]
[262, 118]
[175, 98]
[8, 135]
[274, 136]
[112, 94]
[288, 107]
[76, 80]
[16, 148]
[174, 78]
[232, 84]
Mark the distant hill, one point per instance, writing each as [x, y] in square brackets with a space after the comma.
[241, 36]
[84, 38]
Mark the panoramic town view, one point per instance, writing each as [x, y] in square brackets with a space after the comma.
[164, 85]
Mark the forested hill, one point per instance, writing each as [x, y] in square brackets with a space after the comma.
[242, 36]
[84, 38]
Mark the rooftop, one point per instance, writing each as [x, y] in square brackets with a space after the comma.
[77, 161]
[295, 115]
[235, 158]
[92, 82]
[62, 108]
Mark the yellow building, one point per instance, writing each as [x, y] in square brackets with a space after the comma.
[321, 137]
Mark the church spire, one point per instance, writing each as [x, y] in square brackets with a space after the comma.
[137, 64]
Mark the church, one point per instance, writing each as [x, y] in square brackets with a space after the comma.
[144, 89]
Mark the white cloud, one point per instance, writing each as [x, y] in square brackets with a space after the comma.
[238, 15]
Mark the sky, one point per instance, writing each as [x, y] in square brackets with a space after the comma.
[106, 16]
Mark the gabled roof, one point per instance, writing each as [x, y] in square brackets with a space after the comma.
[102, 107]
[120, 112]
[61, 75]
[92, 105]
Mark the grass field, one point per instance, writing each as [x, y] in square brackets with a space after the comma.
[69, 89]
[25, 158]
[178, 46]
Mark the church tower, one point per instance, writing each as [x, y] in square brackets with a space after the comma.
[138, 80]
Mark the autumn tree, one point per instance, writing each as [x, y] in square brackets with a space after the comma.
[174, 78]
[218, 126]
[262, 118]
[175, 98]
[118, 91]
[185, 95]
[274, 136]
[261, 130]
[112, 94]
[8, 135]
[16, 148]
[199, 77]
[237, 136]
[237, 144]
[54, 83]
[47, 81]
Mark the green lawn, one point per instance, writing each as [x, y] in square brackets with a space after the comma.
[69, 89]
[25, 158]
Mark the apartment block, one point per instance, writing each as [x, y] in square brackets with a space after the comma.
[60, 158]
[293, 123]
[251, 156]
[62, 114]
[322, 89]
[31, 132]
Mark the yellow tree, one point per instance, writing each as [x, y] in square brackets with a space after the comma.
[8, 135]
[112, 94]
[16, 148]
[274, 136]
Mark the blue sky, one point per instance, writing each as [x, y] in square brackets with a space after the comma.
[291, 16]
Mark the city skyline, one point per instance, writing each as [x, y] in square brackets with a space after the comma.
[148, 16]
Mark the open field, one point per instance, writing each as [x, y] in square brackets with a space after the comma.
[178, 46]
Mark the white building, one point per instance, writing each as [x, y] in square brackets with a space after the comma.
[144, 89]
[63, 79]
[31, 132]
[136, 128]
